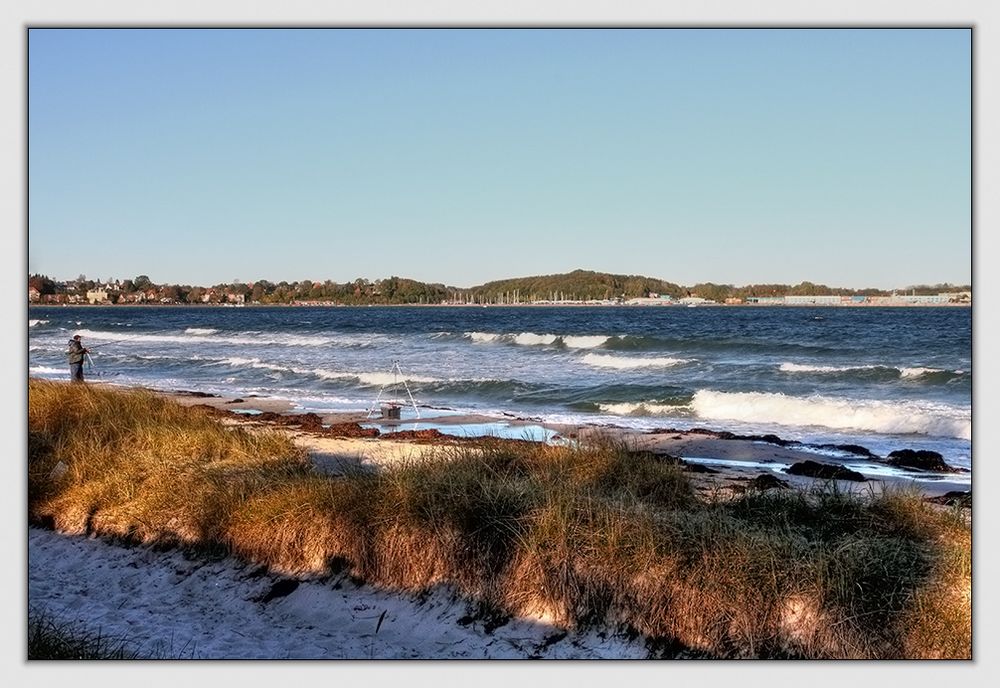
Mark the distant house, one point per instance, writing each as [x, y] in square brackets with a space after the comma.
[97, 295]
[34, 296]
[733, 301]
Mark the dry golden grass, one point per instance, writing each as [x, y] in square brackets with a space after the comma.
[586, 535]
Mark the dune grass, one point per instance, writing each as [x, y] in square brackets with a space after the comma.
[595, 535]
[53, 638]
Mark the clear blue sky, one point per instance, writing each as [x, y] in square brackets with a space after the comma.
[461, 156]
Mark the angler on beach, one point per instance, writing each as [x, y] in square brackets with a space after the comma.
[76, 354]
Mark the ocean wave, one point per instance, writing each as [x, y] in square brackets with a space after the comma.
[641, 408]
[887, 417]
[534, 339]
[921, 372]
[46, 370]
[631, 342]
[200, 330]
[244, 339]
[34, 323]
[626, 362]
[927, 374]
[585, 341]
[802, 368]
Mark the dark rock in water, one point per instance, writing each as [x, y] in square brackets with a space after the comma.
[855, 449]
[766, 481]
[825, 471]
[770, 439]
[921, 460]
[237, 400]
[697, 468]
[954, 498]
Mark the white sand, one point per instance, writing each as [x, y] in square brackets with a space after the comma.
[168, 605]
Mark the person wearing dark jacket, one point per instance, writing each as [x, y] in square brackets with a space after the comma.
[76, 353]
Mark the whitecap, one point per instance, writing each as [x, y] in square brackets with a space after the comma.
[532, 339]
[46, 370]
[642, 408]
[629, 362]
[887, 417]
[584, 342]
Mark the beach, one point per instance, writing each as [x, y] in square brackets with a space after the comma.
[730, 461]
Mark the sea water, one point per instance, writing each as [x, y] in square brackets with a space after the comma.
[884, 378]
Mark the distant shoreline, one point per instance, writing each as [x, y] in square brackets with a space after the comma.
[500, 305]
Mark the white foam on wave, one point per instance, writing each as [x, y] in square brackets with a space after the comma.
[46, 370]
[802, 368]
[905, 373]
[532, 339]
[584, 341]
[629, 362]
[523, 338]
[370, 379]
[241, 362]
[642, 408]
[388, 378]
[895, 417]
[34, 322]
[918, 372]
[200, 330]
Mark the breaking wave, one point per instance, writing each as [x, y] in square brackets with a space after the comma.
[903, 417]
[641, 408]
[33, 323]
[800, 368]
[200, 330]
[925, 374]
[585, 342]
[365, 378]
[533, 339]
[626, 363]
[45, 370]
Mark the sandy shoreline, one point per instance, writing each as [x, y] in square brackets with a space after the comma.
[716, 461]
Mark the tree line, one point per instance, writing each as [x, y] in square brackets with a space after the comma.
[579, 285]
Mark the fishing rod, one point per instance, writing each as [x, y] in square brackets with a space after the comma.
[130, 338]
[113, 341]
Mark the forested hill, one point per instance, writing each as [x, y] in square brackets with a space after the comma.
[579, 285]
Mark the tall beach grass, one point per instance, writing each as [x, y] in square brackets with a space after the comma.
[581, 536]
